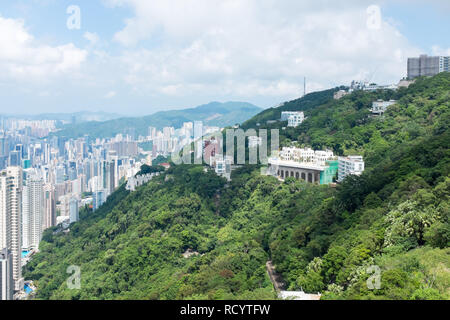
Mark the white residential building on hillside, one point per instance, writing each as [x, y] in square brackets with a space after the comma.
[305, 155]
[286, 114]
[295, 121]
[294, 118]
[379, 107]
[222, 165]
[351, 165]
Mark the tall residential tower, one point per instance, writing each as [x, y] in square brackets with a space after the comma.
[427, 66]
[10, 219]
[33, 213]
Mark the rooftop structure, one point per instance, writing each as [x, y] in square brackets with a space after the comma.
[366, 86]
[306, 155]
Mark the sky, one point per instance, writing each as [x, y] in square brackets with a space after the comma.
[137, 57]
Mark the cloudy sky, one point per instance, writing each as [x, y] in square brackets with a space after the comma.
[136, 57]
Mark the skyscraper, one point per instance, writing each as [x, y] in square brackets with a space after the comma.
[15, 159]
[32, 213]
[49, 206]
[4, 150]
[6, 275]
[151, 132]
[427, 66]
[10, 219]
[73, 210]
[98, 198]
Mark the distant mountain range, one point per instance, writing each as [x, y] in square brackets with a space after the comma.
[82, 116]
[212, 114]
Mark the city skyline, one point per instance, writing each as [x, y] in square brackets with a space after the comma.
[136, 58]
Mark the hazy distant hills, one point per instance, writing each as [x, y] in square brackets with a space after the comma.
[212, 114]
[82, 116]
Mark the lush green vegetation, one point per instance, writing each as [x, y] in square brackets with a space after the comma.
[159, 160]
[212, 114]
[308, 102]
[321, 239]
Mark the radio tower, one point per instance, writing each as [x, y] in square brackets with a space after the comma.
[304, 86]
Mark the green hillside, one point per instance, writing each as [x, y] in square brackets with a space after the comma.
[212, 114]
[321, 239]
[308, 102]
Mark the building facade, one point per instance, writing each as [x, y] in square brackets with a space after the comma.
[73, 210]
[352, 165]
[294, 118]
[427, 66]
[11, 219]
[32, 213]
[98, 198]
[49, 206]
[313, 166]
[379, 107]
[6, 275]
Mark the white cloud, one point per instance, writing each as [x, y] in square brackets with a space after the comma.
[438, 51]
[256, 47]
[22, 57]
[179, 52]
[92, 37]
[110, 94]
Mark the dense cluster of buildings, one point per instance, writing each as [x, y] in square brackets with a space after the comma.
[367, 86]
[423, 66]
[44, 182]
[169, 139]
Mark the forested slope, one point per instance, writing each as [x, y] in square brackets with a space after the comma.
[321, 239]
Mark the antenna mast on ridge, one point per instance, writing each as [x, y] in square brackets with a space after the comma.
[304, 86]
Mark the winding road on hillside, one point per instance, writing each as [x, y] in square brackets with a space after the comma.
[276, 279]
